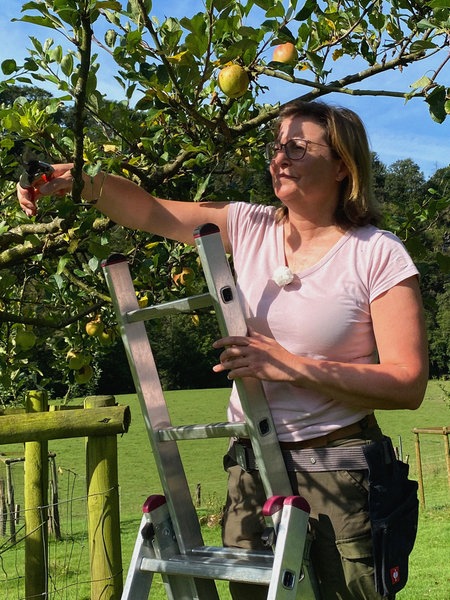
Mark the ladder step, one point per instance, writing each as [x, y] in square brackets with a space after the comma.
[200, 432]
[169, 308]
[233, 564]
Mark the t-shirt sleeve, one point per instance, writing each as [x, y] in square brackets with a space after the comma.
[390, 264]
[247, 223]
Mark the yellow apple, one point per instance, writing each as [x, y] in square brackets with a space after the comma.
[285, 53]
[94, 327]
[233, 81]
[142, 300]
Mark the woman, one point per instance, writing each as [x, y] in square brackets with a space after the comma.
[336, 328]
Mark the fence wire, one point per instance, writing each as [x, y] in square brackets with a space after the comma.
[435, 475]
[68, 551]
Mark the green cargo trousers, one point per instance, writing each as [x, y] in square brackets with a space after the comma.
[341, 549]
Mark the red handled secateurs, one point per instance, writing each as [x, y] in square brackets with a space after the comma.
[36, 172]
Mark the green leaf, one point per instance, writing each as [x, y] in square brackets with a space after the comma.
[439, 3]
[307, 10]
[56, 54]
[264, 4]
[196, 24]
[421, 46]
[111, 5]
[9, 66]
[110, 38]
[59, 280]
[276, 11]
[67, 65]
[93, 264]
[196, 44]
[62, 264]
[52, 23]
[201, 188]
[436, 101]
[421, 83]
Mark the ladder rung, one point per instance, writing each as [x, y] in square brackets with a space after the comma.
[216, 563]
[201, 432]
[169, 308]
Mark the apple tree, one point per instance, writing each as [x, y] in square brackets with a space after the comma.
[181, 129]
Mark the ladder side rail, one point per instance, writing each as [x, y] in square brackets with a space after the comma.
[254, 403]
[138, 583]
[232, 322]
[156, 541]
[288, 571]
[156, 417]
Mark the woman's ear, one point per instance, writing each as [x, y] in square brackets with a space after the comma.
[341, 171]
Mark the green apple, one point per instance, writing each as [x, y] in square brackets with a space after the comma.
[84, 374]
[75, 359]
[106, 337]
[25, 339]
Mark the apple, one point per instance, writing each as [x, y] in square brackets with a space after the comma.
[76, 359]
[94, 327]
[185, 277]
[142, 300]
[285, 53]
[106, 337]
[25, 339]
[84, 374]
[233, 81]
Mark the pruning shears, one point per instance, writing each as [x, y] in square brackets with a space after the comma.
[36, 172]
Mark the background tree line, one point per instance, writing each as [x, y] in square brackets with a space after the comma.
[178, 135]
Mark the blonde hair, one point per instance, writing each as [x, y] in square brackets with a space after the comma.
[347, 137]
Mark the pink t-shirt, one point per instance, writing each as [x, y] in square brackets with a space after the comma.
[324, 313]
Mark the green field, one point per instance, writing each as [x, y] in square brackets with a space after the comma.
[202, 459]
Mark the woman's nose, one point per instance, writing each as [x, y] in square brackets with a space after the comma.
[280, 157]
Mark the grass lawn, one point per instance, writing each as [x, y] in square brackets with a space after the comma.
[203, 465]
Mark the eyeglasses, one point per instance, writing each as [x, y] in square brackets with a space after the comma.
[294, 149]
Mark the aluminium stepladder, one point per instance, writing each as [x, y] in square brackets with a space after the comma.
[169, 541]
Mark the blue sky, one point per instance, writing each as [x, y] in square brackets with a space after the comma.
[396, 130]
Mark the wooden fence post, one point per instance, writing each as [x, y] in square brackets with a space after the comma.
[3, 508]
[103, 511]
[419, 469]
[36, 503]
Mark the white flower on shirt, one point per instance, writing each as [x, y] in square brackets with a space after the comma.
[283, 276]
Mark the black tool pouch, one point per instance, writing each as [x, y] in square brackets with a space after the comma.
[394, 511]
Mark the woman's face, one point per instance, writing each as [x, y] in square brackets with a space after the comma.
[314, 178]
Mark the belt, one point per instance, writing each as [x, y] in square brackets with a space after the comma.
[321, 441]
[313, 460]
[313, 455]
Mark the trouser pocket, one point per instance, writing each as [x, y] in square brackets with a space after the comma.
[394, 511]
[393, 540]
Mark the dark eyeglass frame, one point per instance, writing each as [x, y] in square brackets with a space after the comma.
[272, 148]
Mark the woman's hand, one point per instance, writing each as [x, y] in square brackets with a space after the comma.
[59, 185]
[257, 356]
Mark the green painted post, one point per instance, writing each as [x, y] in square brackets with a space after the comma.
[103, 511]
[36, 507]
